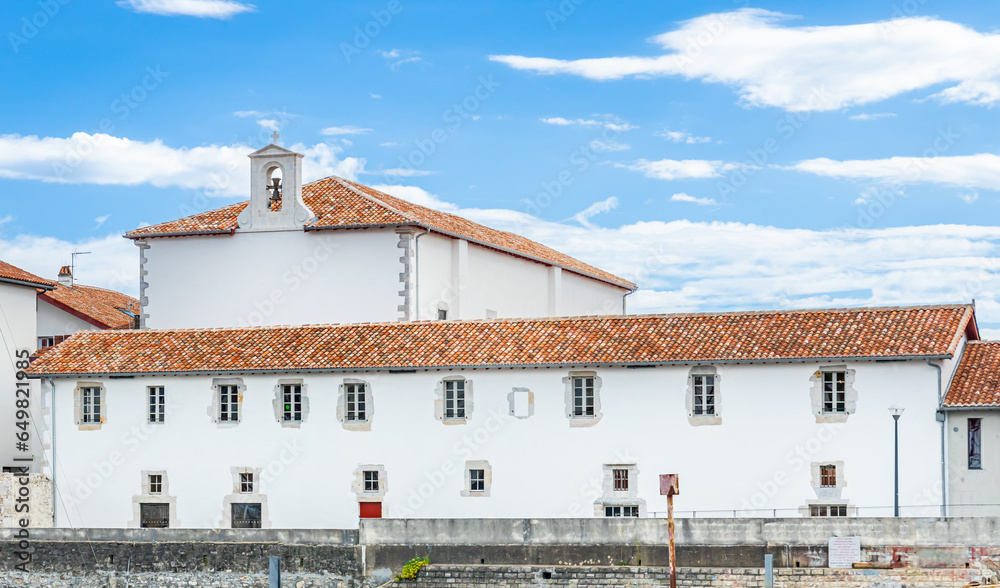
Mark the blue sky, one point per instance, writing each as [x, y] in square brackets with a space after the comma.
[724, 155]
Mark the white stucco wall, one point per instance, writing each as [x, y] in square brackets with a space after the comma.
[17, 328]
[53, 321]
[273, 278]
[759, 457]
[467, 280]
[976, 488]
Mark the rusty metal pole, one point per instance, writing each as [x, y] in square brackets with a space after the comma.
[670, 534]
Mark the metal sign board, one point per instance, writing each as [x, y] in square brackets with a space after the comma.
[844, 551]
[669, 484]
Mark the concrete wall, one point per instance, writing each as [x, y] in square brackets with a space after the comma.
[541, 466]
[34, 490]
[17, 329]
[975, 488]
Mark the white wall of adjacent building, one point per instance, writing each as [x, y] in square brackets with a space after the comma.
[759, 457]
[54, 321]
[973, 491]
[17, 331]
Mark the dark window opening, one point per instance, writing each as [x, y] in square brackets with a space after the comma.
[246, 483]
[621, 479]
[621, 511]
[371, 481]
[246, 515]
[823, 510]
[477, 480]
[154, 516]
[828, 476]
[442, 314]
[975, 444]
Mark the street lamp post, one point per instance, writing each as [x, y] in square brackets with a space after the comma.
[896, 412]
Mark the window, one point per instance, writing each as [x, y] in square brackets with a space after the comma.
[157, 404]
[371, 480]
[824, 510]
[154, 516]
[291, 402]
[246, 515]
[44, 342]
[246, 483]
[91, 412]
[454, 399]
[975, 444]
[583, 396]
[356, 399]
[834, 392]
[621, 511]
[620, 479]
[828, 476]
[155, 483]
[442, 314]
[229, 403]
[477, 480]
[704, 394]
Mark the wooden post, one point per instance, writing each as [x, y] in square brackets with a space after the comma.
[670, 533]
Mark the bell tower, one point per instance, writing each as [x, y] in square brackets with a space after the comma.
[275, 191]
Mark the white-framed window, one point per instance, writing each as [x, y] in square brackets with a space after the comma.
[156, 483]
[834, 392]
[246, 482]
[355, 402]
[44, 342]
[828, 510]
[478, 478]
[584, 397]
[703, 389]
[291, 403]
[229, 403]
[621, 511]
[371, 480]
[157, 403]
[454, 399]
[90, 397]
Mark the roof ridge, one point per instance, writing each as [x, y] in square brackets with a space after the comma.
[75, 285]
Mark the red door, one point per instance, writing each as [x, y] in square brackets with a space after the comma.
[371, 510]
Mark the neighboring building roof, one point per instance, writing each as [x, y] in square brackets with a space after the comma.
[341, 204]
[839, 334]
[15, 275]
[977, 380]
[105, 309]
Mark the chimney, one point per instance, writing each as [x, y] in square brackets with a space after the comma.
[65, 276]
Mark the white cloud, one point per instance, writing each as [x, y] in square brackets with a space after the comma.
[417, 196]
[249, 113]
[200, 8]
[113, 262]
[390, 144]
[269, 124]
[683, 169]
[395, 54]
[873, 116]
[6, 220]
[611, 123]
[376, 96]
[770, 63]
[968, 171]
[101, 220]
[609, 145]
[218, 170]
[345, 130]
[683, 137]
[969, 198]
[682, 197]
[583, 217]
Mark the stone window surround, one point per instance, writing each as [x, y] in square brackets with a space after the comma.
[365, 425]
[278, 402]
[816, 480]
[584, 420]
[531, 402]
[816, 394]
[703, 419]
[439, 401]
[478, 464]
[358, 484]
[78, 405]
[611, 497]
[145, 497]
[239, 498]
[215, 408]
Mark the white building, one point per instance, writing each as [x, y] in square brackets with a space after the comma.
[334, 251]
[311, 427]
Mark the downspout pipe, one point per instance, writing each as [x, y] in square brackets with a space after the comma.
[52, 391]
[416, 274]
[944, 431]
[624, 296]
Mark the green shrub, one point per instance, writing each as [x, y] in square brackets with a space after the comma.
[412, 568]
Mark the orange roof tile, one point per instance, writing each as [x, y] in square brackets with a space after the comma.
[102, 308]
[339, 203]
[870, 333]
[977, 379]
[13, 274]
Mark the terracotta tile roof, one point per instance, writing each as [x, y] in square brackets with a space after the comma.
[10, 273]
[339, 203]
[101, 308]
[977, 379]
[928, 331]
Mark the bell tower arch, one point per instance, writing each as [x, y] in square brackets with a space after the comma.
[275, 191]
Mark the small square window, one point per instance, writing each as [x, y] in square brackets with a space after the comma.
[621, 479]
[477, 480]
[246, 483]
[828, 476]
[442, 314]
[155, 483]
[157, 404]
[371, 481]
